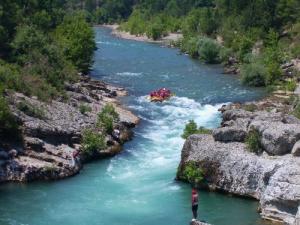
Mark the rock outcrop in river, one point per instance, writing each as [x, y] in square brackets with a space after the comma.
[51, 132]
[271, 174]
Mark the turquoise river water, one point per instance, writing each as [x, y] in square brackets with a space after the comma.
[137, 187]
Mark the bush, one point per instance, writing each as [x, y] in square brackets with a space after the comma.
[83, 108]
[92, 142]
[209, 50]
[76, 38]
[250, 107]
[136, 23]
[253, 141]
[31, 110]
[192, 173]
[43, 68]
[190, 46]
[107, 117]
[8, 123]
[10, 77]
[225, 54]
[155, 31]
[290, 85]
[191, 128]
[254, 74]
[296, 111]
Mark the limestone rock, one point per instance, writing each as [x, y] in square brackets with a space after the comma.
[229, 134]
[296, 149]
[50, 140]
[198, 223]
[297, 219]
[35, 144]
[230, 167]
[279, 138]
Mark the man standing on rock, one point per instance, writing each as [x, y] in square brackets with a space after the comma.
[194, 204]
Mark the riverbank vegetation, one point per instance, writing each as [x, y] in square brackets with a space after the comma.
[43, 44]
[258, 36]
[191, 128]
[191, 173]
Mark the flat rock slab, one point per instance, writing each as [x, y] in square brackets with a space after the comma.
[198, 223]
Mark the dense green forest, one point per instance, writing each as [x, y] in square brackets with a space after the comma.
[43, 44]
[260, 35]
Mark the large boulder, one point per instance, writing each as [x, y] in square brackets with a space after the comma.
[229, 134]
[279, 138]
[232, 130]
[230, 167]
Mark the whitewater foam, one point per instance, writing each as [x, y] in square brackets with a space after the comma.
[129, 74]
[162, 136]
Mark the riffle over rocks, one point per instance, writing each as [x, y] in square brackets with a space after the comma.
[198, 223]
[271, 174]
[51, 134]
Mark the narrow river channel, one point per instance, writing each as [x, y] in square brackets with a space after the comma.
[137, 187]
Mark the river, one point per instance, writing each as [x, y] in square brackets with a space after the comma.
[137, 187]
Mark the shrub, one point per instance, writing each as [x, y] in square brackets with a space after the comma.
[254, 74]
[107, 117]
[92, 142]
[190, 46]
[31, 110]
[191, 128]
[192, 173]
[10, 77]
[209, 50]
[290, 85]
[44, 67]
[253, 141]
[250, 107]
[155, 31]
[225, 54]
[8, 123]
[296, 111]
[84, 108]
[136, 23]
[76, 38]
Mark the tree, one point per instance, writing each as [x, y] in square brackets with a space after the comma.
[76, 38]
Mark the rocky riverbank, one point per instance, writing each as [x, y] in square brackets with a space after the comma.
[255, 153]
[50, 132]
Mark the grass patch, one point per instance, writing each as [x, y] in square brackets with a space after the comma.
[31, 110]
[83, 108]
[296, 111]
[290, 85]
[253, 141]
[250, 107]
